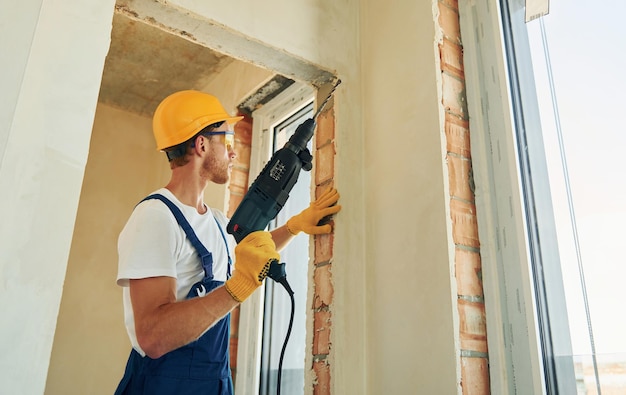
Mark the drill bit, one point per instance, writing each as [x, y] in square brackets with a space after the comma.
[321, 107]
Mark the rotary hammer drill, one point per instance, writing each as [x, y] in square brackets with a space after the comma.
[270, 190]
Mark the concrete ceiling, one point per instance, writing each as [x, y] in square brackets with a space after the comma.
[146, 63]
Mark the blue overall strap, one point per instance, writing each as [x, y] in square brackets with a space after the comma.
[230, 261]
[205, 256]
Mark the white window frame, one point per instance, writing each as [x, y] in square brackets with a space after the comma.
[515, 350]
[251, 314]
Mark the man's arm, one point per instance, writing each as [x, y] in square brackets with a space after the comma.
[281, 237]
[162, 324]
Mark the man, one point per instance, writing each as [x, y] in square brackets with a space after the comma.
[177, 263]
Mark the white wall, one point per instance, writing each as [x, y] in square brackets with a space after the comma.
[123, 167]
[50, 88]
[410, 329]
[392, 329]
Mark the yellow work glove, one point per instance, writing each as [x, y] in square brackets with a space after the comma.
[253, 256]
[308, 220]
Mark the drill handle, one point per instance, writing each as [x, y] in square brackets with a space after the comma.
[306, 158]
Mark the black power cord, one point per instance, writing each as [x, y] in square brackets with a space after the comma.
[282, 353]
[277, 273]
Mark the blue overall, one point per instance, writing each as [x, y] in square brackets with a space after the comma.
[201, 367]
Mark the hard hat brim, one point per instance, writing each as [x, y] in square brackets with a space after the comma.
[194, 128]
[183, 114]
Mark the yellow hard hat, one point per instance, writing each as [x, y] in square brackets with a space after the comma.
[181, 115]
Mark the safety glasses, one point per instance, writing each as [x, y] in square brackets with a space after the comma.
[226, 137]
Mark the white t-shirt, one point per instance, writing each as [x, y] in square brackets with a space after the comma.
[152, 244]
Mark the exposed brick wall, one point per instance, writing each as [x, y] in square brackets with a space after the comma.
[238, 187]
[474, 357]
[241, 169]
[322, 283]
[322, 272]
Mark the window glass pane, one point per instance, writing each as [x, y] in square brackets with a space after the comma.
[578, 65]
[277, 302]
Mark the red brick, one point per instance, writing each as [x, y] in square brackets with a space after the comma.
[321, 383]
[449, 23]
[472, 326]
[457, 136]
[321, 332]
[234, 201]
[324, 247]
[475, 376]
[234, 344]
[320, 189]
[237, 190]
[324, 163]
[238, 178]
[325, 132]
[242, 160]
[464, 226]
[323, 286]
[468, 273]
[453, 4]
[453, 95]
[452, 58]
[243, 131]
[234, 322]
[459, 173]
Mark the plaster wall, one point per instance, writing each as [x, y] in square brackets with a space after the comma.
[50, 84]
[410, 331]
[90, 335]
[392, 281]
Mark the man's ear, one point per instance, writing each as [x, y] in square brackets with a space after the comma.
[200, 144]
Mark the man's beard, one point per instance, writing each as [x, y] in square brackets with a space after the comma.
[216, 171]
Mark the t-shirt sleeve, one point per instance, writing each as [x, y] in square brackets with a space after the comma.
[148, 243]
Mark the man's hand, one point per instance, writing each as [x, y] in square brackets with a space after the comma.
[308, 220]
[253, 257]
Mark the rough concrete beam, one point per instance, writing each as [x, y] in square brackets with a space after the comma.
[222, 39]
